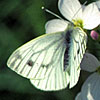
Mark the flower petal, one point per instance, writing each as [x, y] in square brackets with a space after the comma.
[91, 88]
[91, 16]
[70, 9]
[98, 4]
[55, 25]
[89, 63]
[78, 97]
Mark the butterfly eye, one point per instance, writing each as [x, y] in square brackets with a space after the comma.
[30, 63]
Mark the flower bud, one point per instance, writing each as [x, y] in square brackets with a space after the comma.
[94, 35]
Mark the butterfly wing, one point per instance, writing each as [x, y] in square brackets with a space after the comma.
[77, 50]
[41, 59]
[36, 55]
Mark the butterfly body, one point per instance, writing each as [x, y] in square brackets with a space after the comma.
[66, 54]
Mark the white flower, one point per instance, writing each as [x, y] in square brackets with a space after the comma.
[91, 87]
[89, 63]
[87, 17]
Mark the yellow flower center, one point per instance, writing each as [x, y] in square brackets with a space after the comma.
[78, 23]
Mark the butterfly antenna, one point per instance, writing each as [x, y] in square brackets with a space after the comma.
[80, 9]
[51, 13]
[55, 14]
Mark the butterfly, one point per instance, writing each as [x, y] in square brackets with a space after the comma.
[51, 61]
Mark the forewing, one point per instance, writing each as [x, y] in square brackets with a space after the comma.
[77, 50]
[36, 59]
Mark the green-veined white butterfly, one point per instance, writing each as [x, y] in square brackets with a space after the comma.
[51, 61]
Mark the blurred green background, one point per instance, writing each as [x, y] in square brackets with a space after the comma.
[21, 21]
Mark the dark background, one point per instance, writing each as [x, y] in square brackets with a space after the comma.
[21, 21]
